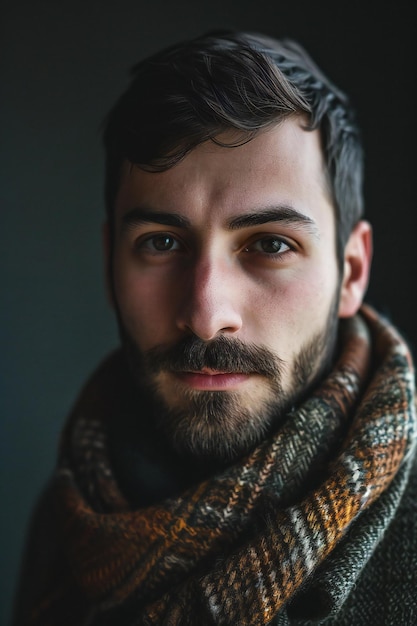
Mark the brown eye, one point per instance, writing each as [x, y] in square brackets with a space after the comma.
[162, 243]
[271, 245]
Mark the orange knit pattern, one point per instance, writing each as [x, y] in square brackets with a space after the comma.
[238, 547]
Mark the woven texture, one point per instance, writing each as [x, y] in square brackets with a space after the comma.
[239, 548]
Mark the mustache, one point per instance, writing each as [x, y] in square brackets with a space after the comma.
[223, 354]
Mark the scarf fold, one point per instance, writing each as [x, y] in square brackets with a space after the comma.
[241, 547]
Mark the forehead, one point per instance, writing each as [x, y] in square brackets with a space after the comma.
[283, 165]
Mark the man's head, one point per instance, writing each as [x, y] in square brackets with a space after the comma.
[234, 238]
[241, 82]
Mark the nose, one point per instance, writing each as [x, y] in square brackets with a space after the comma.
[209, 305]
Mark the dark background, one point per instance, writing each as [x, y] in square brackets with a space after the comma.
[62, 67]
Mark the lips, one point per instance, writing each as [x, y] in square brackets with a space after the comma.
[212, 380]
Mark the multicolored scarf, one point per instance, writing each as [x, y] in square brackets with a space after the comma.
[238, 548]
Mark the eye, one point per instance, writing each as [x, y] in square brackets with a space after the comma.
[269, 245]
[162, 242]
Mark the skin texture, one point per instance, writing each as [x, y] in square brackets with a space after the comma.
[230, 251]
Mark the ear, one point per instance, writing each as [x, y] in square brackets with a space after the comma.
[357, 265]
[108, 261]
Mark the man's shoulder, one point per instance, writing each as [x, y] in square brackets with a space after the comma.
[388, 582]
[39, 553]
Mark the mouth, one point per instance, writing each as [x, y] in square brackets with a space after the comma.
[212, 380]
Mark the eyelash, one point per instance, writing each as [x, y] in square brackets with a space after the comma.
[147, 244]
[270, 238]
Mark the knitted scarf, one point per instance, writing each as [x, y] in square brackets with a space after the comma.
[242, 546]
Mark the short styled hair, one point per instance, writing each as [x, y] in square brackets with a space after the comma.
[195, 90]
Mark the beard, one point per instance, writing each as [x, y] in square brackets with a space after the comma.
[221, 426]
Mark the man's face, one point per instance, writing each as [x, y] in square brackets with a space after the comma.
[226, 285]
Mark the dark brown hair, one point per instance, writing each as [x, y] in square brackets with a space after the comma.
[193, 91]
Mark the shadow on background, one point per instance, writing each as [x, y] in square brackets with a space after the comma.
[62, 67]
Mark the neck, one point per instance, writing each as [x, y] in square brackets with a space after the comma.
[146, 467]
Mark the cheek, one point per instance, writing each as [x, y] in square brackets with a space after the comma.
[291, 311]
[145, 302]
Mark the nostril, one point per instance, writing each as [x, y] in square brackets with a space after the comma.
[208, 322]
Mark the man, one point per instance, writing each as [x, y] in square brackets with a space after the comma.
[246, 457]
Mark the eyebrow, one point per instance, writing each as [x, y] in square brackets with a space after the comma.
[142, 215]
[283, 214]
